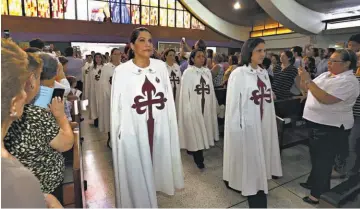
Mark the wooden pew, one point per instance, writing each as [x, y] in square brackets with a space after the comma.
[288, 114]
[74, 185]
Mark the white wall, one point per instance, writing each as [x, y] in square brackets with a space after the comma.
[324, 40]
[221, 50]
[286, 41]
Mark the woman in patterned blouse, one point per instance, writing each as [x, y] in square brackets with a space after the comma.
[39, 136]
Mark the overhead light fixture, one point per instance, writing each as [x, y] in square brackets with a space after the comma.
[237, 5]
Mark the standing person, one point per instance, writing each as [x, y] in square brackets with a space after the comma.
[329, 114]
[323, 65]
[233, 61]
[105, 91]
[354, 43]
[297, 51]
[94, 77]
[175, 75]
[144, 133]
[251, 149]
[198, 127]
[284, 76]
[85, 76]
[19, 187]
[218, 70]
[74, 67]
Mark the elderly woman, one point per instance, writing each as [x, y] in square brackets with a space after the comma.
[39, 136]
[20, 188]
[329, 114]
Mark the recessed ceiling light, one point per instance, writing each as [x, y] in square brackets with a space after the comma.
[237, 5]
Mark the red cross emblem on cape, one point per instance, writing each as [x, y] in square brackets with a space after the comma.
[261, 95]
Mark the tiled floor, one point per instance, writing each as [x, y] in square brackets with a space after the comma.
[202, 189]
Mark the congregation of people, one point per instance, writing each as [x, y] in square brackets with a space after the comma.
[153, 104]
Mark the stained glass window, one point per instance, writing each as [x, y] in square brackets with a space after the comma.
[30, 8]
[163, 17]
[115, 11]
[163, 3]
[43, 8]
[154, 19]
[125, 14]
[135, 14]
[171, 4]
[145, 15]
[57, 9]
[82, 14]
[179, 19]
[69, 9]
[4, 7]
[171, 18]
[179, 6]
[154, 3]
[187, 19]
[168, 13]
[98, 10]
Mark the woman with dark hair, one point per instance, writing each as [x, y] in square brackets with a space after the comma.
[105, 91]
[329, 114]
[251, 149]
[284, 76]
[275, 62]
[209, 60]
[175, 75]
[198, 127]
[233, 62]
[144, 133]
[309, 66]
[94, 77]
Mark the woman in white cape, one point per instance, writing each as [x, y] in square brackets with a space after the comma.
[251, 146]
[144, 133]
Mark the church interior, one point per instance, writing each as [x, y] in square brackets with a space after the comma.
[180, 103]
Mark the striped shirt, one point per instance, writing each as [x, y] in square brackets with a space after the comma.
[356, 108]
[283, 81]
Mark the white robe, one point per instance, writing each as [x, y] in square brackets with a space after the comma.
[251, 145]
[175, 79]
[138, 175]
[104, 97]
[94, 78]
[86, 80]
[197, 131]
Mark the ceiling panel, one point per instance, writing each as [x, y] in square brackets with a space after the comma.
[329, 6]
[250, 11]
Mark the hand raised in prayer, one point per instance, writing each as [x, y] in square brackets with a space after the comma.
[57, 107]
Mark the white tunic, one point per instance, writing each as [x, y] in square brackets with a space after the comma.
[251, 146]
[138, 174]
[175, 79]
[94, 78]
[86, 80]
[198, 127]
[104, 97]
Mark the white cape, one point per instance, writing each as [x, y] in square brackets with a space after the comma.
[104, 97]
[86, 80]
[138, 175]
[251, 145]
[94, 78]
[197, 131]
[175, 79]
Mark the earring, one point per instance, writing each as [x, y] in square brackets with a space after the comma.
[32, 87]
[13, 114]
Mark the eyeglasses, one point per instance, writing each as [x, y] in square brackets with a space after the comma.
[334, 61]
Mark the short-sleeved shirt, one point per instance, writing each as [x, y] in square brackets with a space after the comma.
[28, 139]
[283, 81]
[343, 86]
[19, 187]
